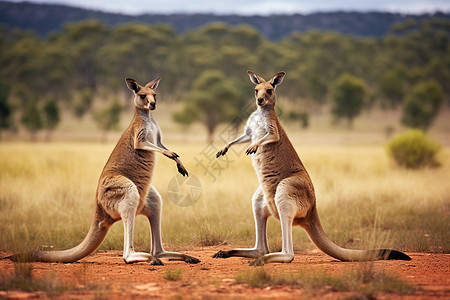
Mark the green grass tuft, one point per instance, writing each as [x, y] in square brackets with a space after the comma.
[172, 275]
[255, 278]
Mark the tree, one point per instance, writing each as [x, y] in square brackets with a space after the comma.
[6, 111]
[139, 50]
[391, 89]
[82, 41]
[31, 118]
[212, 101]
[51, 116]
[83, 103]
[297, 116]
[422, 105]
[108, 118]
[348, 97]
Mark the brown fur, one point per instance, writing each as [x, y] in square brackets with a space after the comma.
[286, 190]
[124, 188]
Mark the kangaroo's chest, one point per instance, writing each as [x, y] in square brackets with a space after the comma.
[258, 127]
[151, 131]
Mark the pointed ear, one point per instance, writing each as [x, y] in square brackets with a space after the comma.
[153, 84]
[132, 85]
[277, 79]
[255, 78]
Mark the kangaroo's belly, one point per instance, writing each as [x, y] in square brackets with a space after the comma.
[267, 167]
[273, 163]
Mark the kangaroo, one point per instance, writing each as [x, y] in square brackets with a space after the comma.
[286, 190]
[124, 189]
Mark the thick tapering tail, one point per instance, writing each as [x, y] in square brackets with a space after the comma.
[97, 232]
[321, 240]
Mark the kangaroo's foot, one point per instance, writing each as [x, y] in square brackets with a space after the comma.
[279, 257]
[222, 254]
[135, 257]
[249, 253]
[178, 257]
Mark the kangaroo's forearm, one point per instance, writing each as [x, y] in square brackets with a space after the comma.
[141, 142]
[245, 138]
[147, 146]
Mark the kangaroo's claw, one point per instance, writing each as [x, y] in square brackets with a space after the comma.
[221, 254]
[182, 170]
[222, 152]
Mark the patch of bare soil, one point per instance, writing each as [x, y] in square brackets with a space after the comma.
[104, 275]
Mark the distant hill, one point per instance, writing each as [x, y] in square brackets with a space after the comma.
[46, 18]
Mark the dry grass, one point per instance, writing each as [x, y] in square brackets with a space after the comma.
[47, 197]
[365, 281]
[23, 279]
[172, 275]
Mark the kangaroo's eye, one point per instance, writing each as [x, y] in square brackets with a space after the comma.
[269, 91]
[142, 96]
[256, 92]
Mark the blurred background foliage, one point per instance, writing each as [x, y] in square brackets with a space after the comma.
[203, 72]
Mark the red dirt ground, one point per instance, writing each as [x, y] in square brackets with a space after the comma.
[104, 275]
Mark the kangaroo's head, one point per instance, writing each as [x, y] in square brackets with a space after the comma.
[265, 90]
[144, 96]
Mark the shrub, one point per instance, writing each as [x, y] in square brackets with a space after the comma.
[414, 150]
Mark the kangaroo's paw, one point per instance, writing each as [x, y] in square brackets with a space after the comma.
[252, 149]
[222, 152]
[170, 154]
[182, 170]
[221, 254]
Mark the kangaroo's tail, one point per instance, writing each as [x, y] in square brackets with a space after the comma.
[99, 228]
[320, 239]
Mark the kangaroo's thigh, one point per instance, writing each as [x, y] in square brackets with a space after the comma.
[295, 194]
[118, 195]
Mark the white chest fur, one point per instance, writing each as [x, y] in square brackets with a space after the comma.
[257, 125]
[152, 130]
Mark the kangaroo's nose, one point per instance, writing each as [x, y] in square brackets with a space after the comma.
[153, 104]
[260, 100]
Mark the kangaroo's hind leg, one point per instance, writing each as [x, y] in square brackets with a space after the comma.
[288, 191]
[120, 197]
[261, 214]
[152, 210]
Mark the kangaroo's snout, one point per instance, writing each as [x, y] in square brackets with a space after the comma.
[260, 100]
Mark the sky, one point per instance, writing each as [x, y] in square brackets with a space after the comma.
[246, 7]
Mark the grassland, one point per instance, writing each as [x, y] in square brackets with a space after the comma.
[47, 193]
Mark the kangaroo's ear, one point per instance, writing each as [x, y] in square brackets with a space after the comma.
[255, 78]
[277, 79]
[132, 85]
[153, 84]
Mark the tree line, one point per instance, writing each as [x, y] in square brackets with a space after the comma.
[45, 18]
[205, 67]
